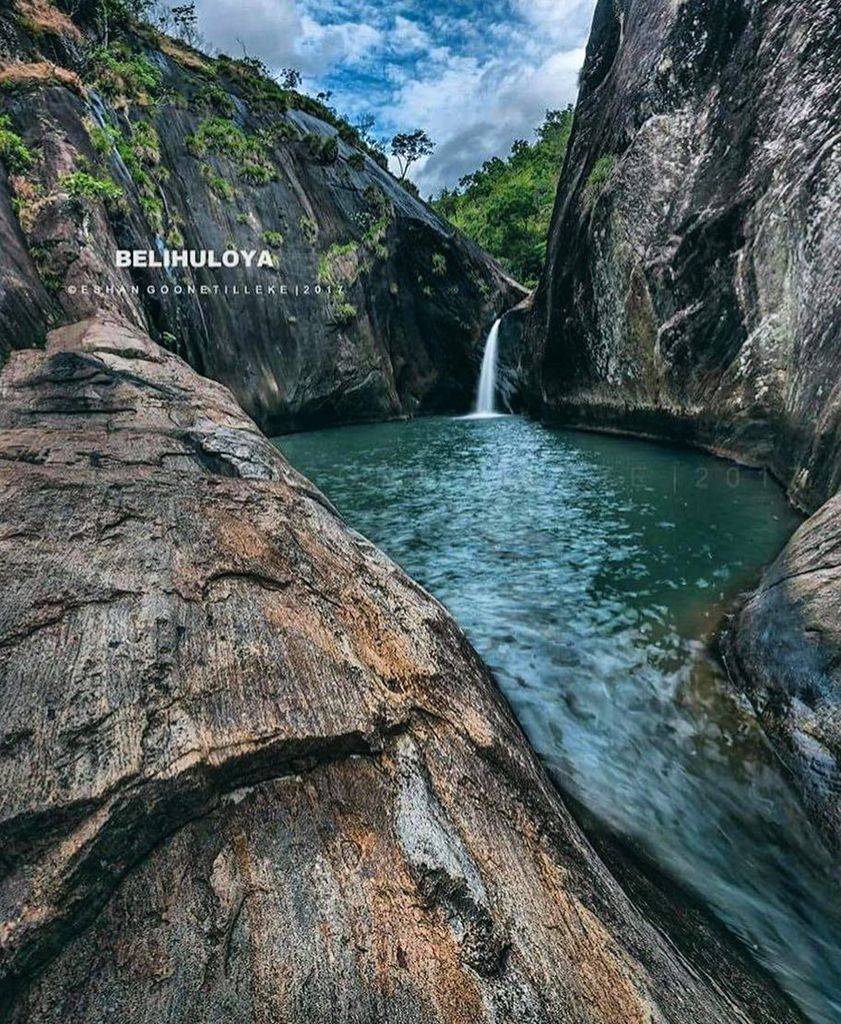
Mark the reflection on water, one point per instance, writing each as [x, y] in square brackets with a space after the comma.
[589, 572]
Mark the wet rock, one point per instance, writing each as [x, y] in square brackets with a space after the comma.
[784, 648]
[251, 771]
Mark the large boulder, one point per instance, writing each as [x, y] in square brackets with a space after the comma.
[251, 771]
[784, 648]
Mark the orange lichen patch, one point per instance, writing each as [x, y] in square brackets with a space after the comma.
[41, 16]
[39, 73]
[398, 936]
[606, 978]
[388, 651]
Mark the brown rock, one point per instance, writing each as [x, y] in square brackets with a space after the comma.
[251, 771]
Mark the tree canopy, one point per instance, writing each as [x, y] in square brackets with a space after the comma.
[408, 147]
[506, 205]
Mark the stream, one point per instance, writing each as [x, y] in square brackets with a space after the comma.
[591, 572]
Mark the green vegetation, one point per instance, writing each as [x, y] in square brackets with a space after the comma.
[15, 156]
[140, 151]
[602, 170]
[340, 266]
[408, 147]
[506, 205]
[124, 76]
[439, 264]
[357, 161]
[309, 229]
[220, 186]
[85, 187]
[29, 199]
[342, 314]
[273, 239]
[216, 99]
[323, 148]
[220, 135]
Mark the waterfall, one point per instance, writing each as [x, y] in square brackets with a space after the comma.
[487, 377]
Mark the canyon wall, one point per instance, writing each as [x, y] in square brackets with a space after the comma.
[147, 144]
[692, 292]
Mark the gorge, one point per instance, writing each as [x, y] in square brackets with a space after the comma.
[251, 769]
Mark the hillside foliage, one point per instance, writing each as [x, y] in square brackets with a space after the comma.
[506, 205]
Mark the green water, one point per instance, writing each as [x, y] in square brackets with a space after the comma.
[590, 573]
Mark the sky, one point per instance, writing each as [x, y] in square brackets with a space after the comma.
[475, 74]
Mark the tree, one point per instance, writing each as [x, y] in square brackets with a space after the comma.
[364, 124]
[290, 78]
[506, 205]
[185, 20]
[409, 147]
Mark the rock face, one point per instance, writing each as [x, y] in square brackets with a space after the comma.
[694, 278]
[248, 769]
[693, 286]
[784, 648]
[210, 155]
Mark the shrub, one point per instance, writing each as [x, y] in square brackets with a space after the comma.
[28, 200]
[439, 264]
[342, 314]
[13, 153]
[216, 98]
[145, 142]
[272, 238]
[330, 150]
[122, 75]
[175, 238]
[217, 184]
[349, 134]
[85, 187]
[153, 209]
[357, 160]
[325, 149]
[104, 139]
[309, 228]
[221, 135]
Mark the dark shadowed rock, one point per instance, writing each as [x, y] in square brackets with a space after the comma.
[692, 290]
[693, 286]
[418, 297]
[248, 769]
[784, 647]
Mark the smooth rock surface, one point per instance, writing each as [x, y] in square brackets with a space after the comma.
[248, 769]
[784, 647]
[693, 285]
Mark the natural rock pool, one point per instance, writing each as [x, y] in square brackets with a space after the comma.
[590, 572]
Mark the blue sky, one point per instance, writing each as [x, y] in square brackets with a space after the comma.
[475, 75]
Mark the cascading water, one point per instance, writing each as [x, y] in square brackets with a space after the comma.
[486, 394]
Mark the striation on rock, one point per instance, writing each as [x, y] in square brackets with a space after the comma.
[249, 769]
[417, 298]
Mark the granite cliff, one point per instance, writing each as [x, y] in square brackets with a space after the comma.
[693, 292]
[147, 144]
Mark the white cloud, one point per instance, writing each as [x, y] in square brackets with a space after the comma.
[474, 83]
